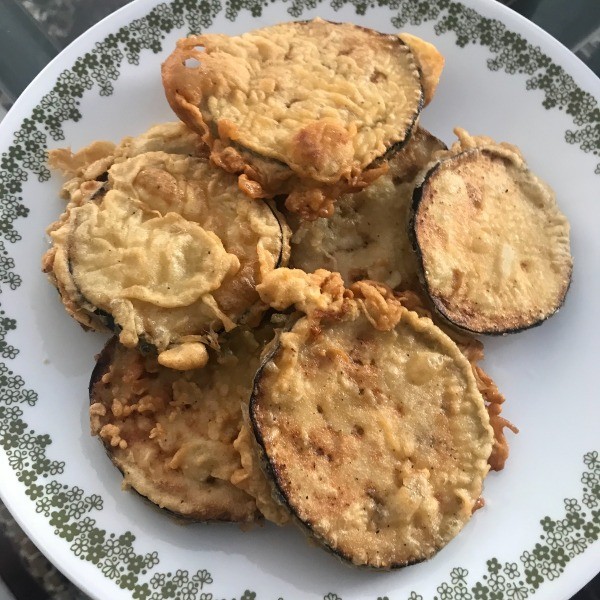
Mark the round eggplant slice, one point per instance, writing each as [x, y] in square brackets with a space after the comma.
[193, 188]
[323, 293]
[377, 440]
[179, 438]
[170, 252]
[367, 236]
[315, 102]
[492, 243]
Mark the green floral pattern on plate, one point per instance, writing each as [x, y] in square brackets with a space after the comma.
[67, 508]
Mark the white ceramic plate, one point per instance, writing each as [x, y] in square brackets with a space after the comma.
[538, 533]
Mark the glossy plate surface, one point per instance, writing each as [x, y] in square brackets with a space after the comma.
[538, 533]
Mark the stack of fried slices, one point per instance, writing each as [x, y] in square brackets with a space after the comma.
[294, 272]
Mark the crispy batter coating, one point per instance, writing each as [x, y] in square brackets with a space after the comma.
[94, 160]
[374, 429]
[322, 294]
[178, 437]
[430, 61]
[367, 236]
[301, 108]
[167, 247]
[154, 274]
[493, 246]
[319, 292]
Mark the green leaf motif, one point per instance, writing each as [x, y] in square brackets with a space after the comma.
[203, 578]
[458, 575]
[560, 541]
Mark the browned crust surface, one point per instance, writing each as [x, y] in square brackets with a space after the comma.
[179, 438]
[493, 245]
[367, 236]
[373, 427]
[322, 295]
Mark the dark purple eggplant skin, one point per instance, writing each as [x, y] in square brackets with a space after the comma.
[396, 147]
[272, 472]
[417, 197]
[278, 217]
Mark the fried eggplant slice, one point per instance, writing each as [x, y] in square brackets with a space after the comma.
[87, 172]
[372, 427]
[492, 244]
[169, 252]
[367, 236]
[308, 109]
[178, 437]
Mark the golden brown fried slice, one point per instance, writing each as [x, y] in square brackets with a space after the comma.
[493, 246]
[154, 275]
[87, 170]
[367, 236]
[305, 108]
[166, 250]
[178, 438]
[371, 423]
[430, 61]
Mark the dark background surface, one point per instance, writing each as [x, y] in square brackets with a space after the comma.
[40, 29]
